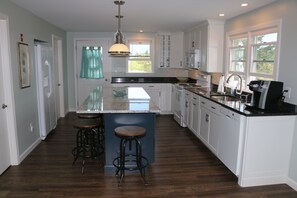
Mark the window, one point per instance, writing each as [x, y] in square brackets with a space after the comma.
[140, 59]
[253, 55]
[91, 63]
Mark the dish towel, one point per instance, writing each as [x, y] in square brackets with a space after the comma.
[221, 84]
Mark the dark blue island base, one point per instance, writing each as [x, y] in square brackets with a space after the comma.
[112, 142]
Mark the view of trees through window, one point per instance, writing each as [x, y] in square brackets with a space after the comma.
[253, 54]
[140, 58]
[264, 53]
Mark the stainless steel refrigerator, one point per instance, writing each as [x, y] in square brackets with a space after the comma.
[45, 88]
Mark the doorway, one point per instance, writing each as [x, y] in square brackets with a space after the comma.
[8, 140]
[58, 67]
[83, 85]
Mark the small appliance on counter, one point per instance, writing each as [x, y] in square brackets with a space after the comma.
[266, 94]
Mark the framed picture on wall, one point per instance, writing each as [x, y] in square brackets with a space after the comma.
[24, 65]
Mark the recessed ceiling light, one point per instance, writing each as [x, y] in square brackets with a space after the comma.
[221, 15]
[244, 4]
[140, 31]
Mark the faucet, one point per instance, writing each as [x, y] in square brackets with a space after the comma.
[240, 85]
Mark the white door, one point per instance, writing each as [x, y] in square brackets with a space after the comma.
[4, 145]
[58, 67]
[85, 86]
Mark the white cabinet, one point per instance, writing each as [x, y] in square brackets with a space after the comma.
[160, 94]
[230, 138]
[154, 92]
[188, 109]
[211, 46]
[170, 51]
[166, 98]
[195, 114]
[208, 37]
[209, 124]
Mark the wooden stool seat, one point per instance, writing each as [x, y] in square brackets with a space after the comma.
[130, 131]
[88, 116]
[86, 124]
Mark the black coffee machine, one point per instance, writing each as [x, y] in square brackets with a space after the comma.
[266, 94]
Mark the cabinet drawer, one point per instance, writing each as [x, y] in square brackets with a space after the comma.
[212, 106]
[195, 98]
[229, 113]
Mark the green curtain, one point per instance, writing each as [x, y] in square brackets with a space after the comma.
[91, 63]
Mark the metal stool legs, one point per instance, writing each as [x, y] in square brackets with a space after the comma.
[85, 146]
[130, 161]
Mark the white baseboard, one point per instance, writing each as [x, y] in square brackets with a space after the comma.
[292, 183]
[29, 149]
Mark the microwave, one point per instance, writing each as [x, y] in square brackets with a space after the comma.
[193, 59]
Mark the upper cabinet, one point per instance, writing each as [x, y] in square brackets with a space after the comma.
[208, 37]
[170, 50]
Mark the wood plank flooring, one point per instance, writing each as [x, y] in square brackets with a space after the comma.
[184, 167]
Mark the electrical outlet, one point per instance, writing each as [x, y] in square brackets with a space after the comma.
[31, 127]
[287, 92]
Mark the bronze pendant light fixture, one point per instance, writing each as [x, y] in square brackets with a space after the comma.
[119, 48]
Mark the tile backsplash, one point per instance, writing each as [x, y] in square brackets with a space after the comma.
[215, 77]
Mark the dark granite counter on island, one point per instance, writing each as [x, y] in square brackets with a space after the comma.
[120, 107]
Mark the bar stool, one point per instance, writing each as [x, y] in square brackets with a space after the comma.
[132, 160]
[100, 130]
[86, 146]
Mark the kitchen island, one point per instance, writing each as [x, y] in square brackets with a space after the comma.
[122, 106]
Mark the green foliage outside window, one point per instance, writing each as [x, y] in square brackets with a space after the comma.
[140, 58]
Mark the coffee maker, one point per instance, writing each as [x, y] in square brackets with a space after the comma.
[266, 94]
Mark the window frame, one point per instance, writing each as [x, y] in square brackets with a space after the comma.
[151, 57]
[250, 33]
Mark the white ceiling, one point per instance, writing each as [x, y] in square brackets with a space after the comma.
[149, 15]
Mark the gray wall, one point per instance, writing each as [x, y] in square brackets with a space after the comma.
[21, 21]
[286, 10]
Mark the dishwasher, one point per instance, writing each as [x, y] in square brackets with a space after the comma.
[230, 139]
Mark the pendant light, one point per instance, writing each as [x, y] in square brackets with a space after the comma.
[119, 48]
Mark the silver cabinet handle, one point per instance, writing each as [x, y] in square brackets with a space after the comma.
[4, 106]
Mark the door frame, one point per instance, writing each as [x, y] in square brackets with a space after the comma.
[88, 41]
[8, 90]
[57, 45]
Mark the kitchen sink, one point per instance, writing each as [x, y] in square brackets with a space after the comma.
[224, 98]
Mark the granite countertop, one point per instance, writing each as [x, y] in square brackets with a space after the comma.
[243, 108]
[118, 100]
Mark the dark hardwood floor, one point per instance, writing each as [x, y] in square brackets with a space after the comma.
[184, 167]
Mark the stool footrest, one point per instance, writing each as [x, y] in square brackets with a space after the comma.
[134, 165]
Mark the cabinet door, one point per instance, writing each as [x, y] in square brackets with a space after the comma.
[187, 116]
[195, 114]
[204, 124]
[154, 91]
[173, 99]
[176, 50]
[214, 133]
[204, 47]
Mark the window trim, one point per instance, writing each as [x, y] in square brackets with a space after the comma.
[152, 53]
[250, 32]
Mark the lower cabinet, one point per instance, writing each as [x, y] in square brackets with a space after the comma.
[256, 149]
[160, 93]
[188, 110]
[195, 114]
[209, 124]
